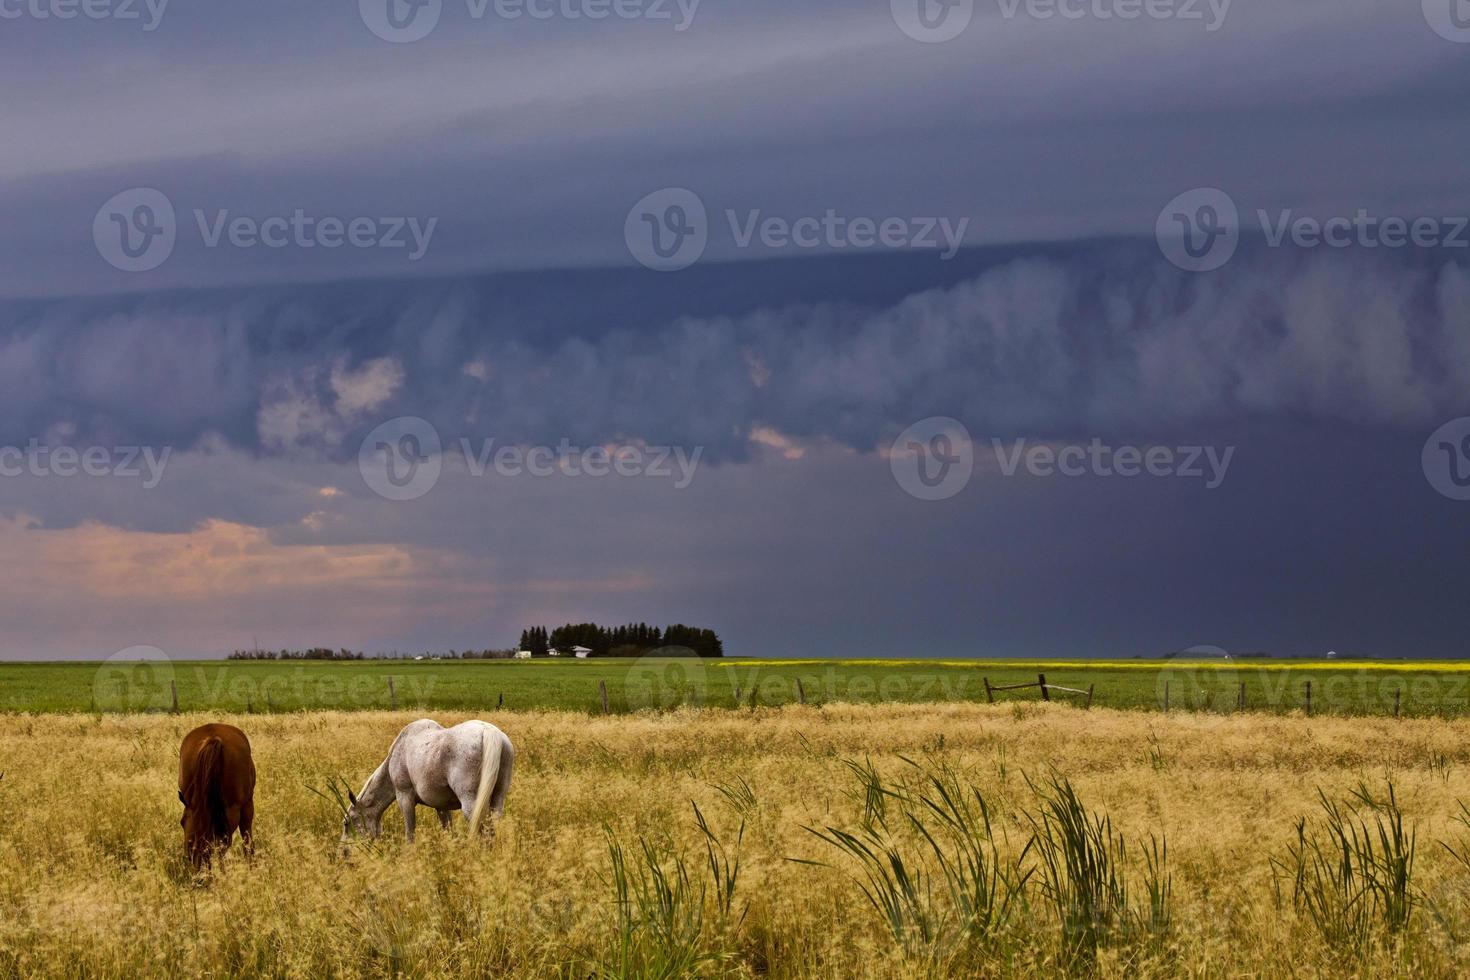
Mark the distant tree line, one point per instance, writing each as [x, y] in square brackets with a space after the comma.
[315, 653]
[321, 653]
[632, 640]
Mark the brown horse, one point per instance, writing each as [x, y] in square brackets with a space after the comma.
[217, 788]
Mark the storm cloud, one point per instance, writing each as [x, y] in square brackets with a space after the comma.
[1106, 339]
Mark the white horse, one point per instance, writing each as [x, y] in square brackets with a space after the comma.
[467, 767]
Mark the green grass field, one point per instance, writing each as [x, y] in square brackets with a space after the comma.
[1361, 687]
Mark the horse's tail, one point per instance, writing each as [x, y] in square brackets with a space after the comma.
[204, 788]
[489, 769]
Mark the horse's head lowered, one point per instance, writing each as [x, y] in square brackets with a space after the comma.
[200, 833]
[360, 819]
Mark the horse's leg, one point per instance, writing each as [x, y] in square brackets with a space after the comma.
[407, 804]
[502, 781]
[247, 829]
[444, 817]
[467, 804]
[221, 844]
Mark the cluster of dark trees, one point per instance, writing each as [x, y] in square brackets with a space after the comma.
[632, 640]
[535, 640]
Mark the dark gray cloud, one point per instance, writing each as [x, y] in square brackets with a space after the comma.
[1102, 339]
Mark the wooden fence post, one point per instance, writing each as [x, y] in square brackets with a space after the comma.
[989, 694]
[800, 692]
[1309, 699]
[269, 706]
[392, 695]
[1045, 694]
[1396, 694]
[602, 689]
[500, 702]
[1089, 694]
[737, 695]
[174, 687]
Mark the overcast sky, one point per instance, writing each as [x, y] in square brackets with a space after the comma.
[243, 238]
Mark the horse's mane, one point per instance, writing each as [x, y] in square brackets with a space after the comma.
[204, 789]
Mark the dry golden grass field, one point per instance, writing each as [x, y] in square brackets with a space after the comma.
[600, 867]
